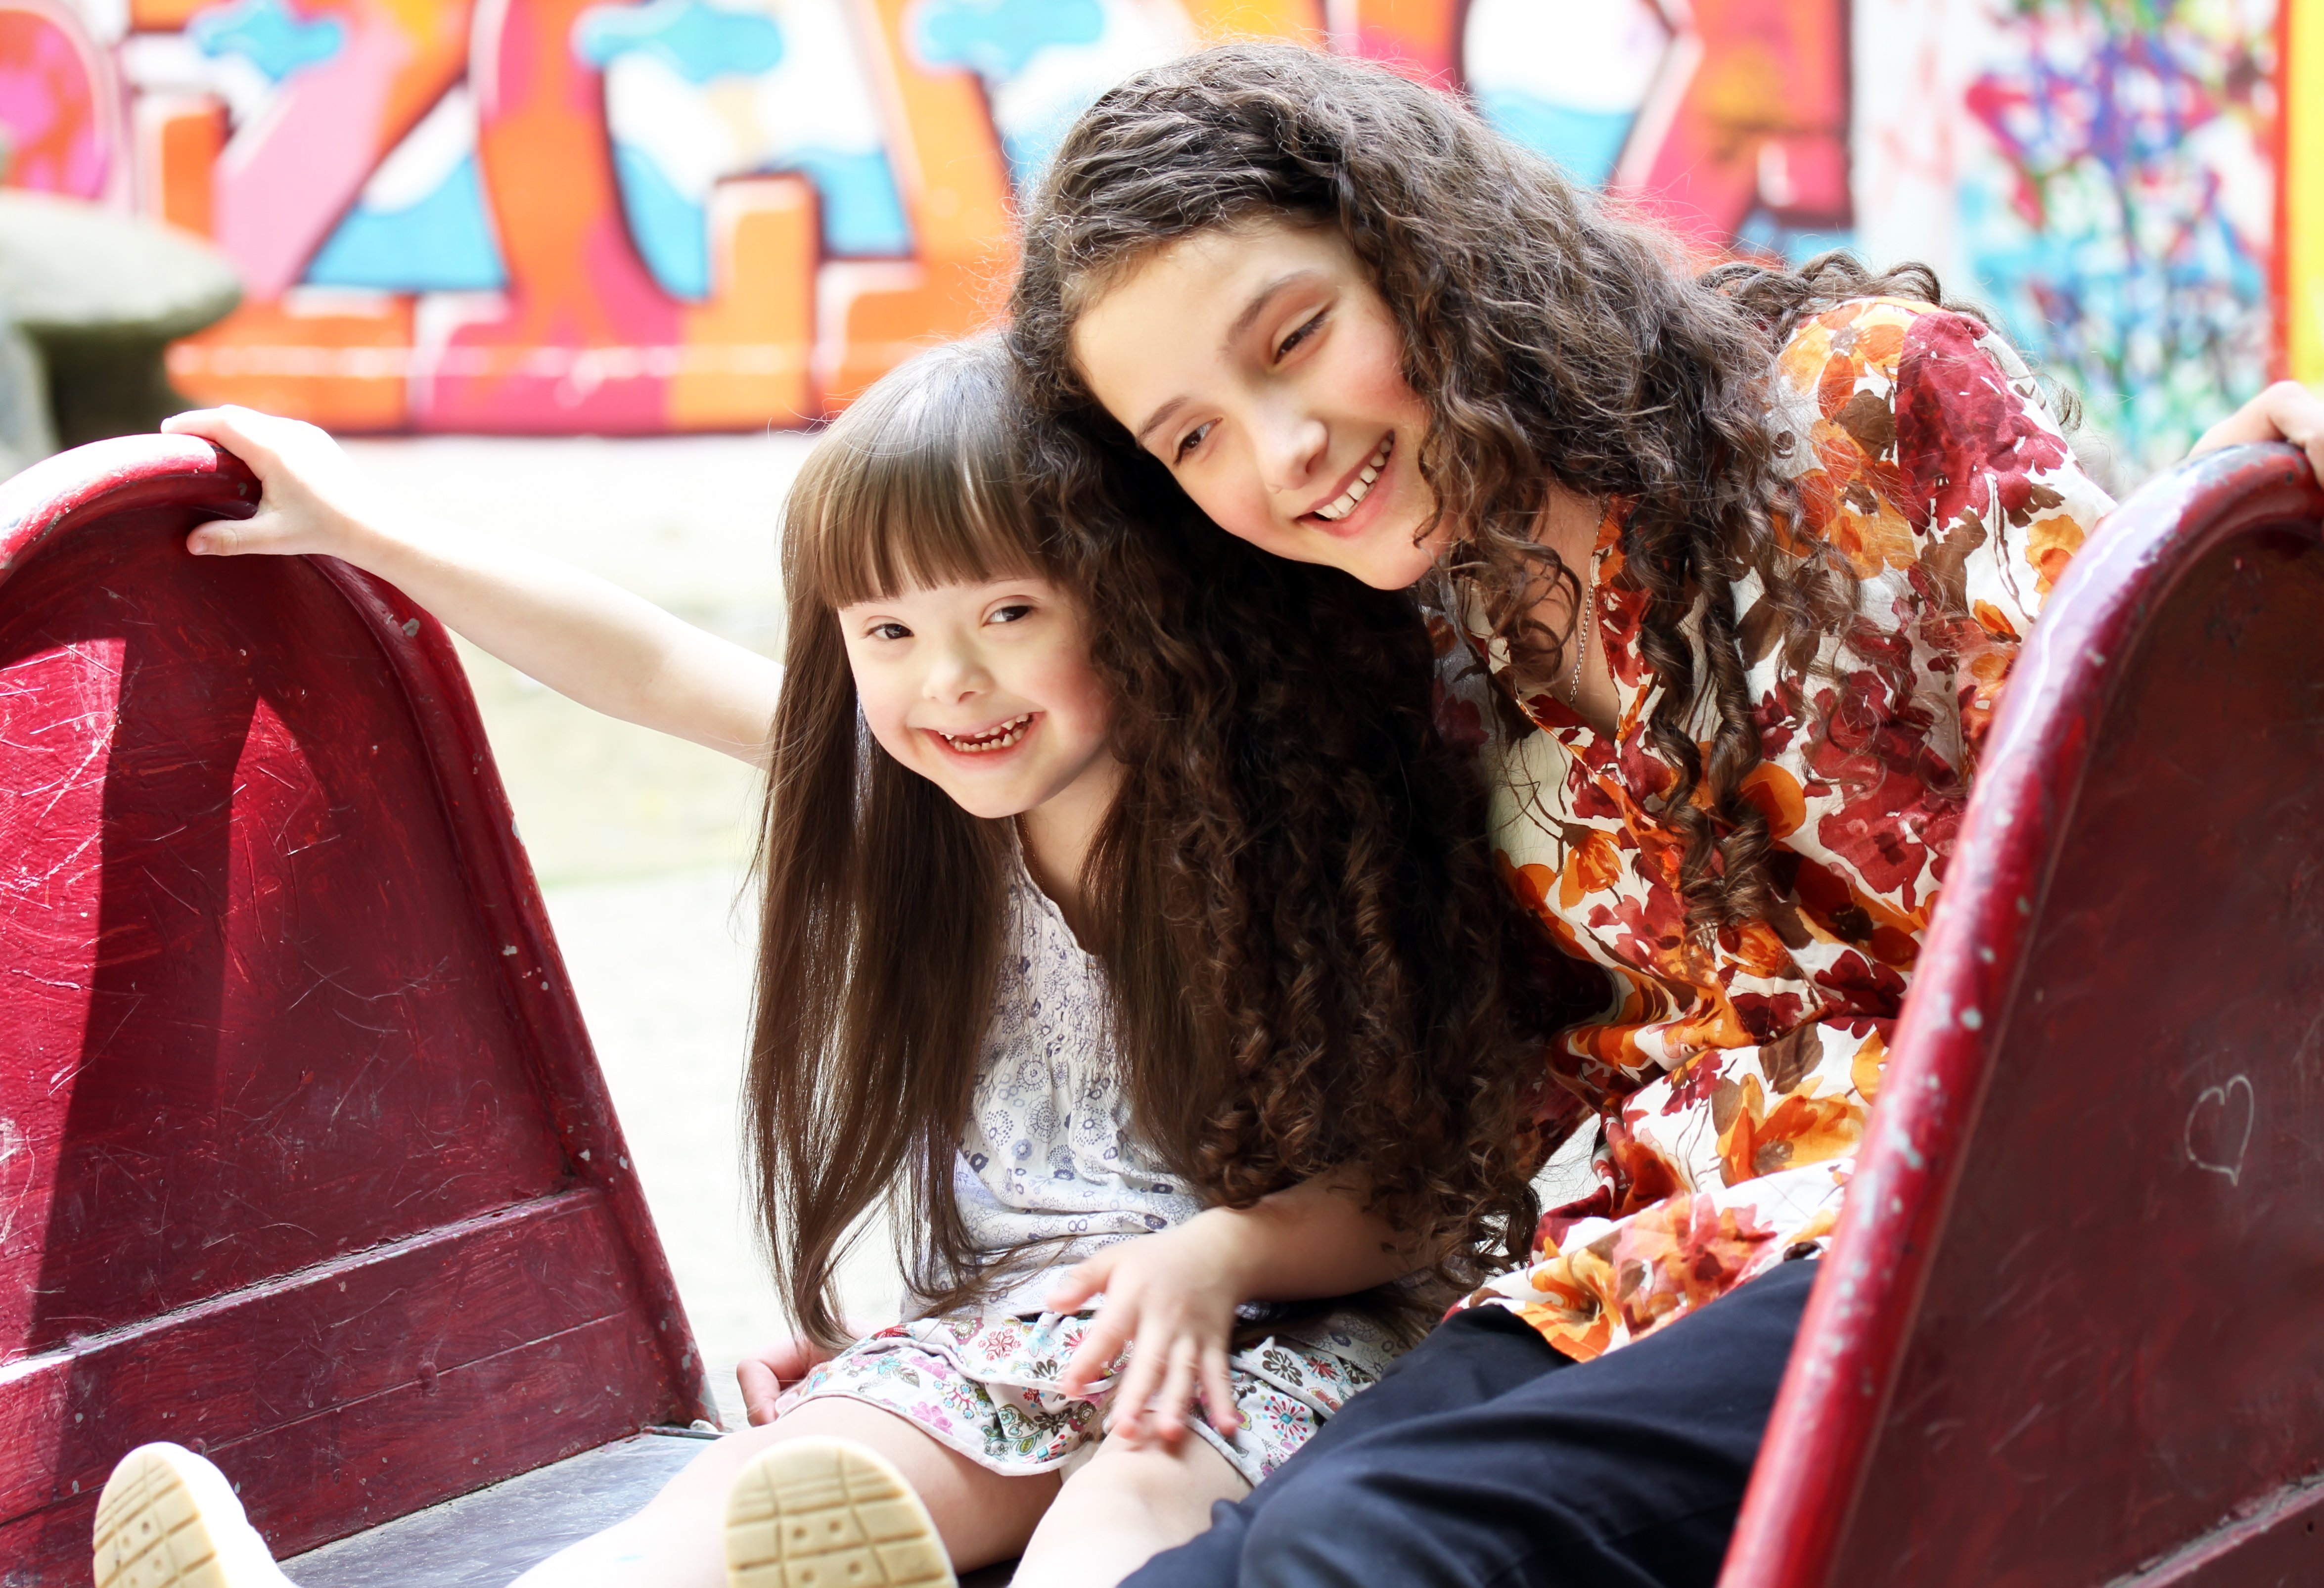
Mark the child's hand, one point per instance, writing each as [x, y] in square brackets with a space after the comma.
[314, 498]
[1170, 1299]
[765, 1377]
[2285, 412]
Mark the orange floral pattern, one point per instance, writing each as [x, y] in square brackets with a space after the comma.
[1732, 1076]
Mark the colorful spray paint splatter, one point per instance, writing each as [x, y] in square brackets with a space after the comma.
[642, 215]
[2126, 225]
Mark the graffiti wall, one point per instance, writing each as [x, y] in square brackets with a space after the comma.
[2302, 291]
[626, 216]
[2108, 175]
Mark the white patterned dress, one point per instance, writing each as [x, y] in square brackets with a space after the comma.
[1048, 1156]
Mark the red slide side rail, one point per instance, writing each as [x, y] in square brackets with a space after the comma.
[305, 1158]
[2204, 584]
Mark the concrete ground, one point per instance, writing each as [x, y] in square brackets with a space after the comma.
[642, 843]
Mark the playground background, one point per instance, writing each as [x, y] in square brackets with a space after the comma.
[486, 231]
[595, 217]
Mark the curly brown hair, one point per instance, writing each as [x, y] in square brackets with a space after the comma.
[1551, 337]
[1311, 961]
[1300, 876]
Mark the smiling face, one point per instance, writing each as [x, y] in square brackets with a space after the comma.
[1261, 367]
[986, 690]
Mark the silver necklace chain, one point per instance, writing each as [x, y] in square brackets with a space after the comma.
[1580, 643]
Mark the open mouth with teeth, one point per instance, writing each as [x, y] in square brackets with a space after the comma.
[985, 741]
[1345, 503]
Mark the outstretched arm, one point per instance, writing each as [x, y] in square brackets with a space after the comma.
[594, 642]
[1171, 1298]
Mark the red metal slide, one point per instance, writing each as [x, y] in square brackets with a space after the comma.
[2072, 1330]
[305, 1160]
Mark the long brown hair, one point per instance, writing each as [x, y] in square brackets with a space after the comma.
[1310, 959]
[878, 944]
[1550, 337]
[1305, 899]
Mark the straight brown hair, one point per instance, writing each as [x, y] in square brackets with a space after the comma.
[879, 940]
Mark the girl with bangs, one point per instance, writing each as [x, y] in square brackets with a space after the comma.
[1732, 567]
[1134, 944]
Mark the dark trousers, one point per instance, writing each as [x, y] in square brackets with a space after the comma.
[1484, 1457]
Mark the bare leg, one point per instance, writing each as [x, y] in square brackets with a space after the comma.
[1122, 1509]
[678, 1539]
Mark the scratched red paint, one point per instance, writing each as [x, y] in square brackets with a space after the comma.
[284, 1021]
[57, 710]
[2071, 1325]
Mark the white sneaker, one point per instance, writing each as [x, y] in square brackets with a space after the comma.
[828, 1513]
[168, 1518]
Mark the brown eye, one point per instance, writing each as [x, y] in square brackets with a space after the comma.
[1299, 336]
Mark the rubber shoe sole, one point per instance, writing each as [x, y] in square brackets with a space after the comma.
[828, 1513]
[168, 1518]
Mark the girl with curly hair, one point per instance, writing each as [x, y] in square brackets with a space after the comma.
[1730, 567]
[1139, 944]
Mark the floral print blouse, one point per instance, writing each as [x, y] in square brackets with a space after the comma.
[1732, 1076]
